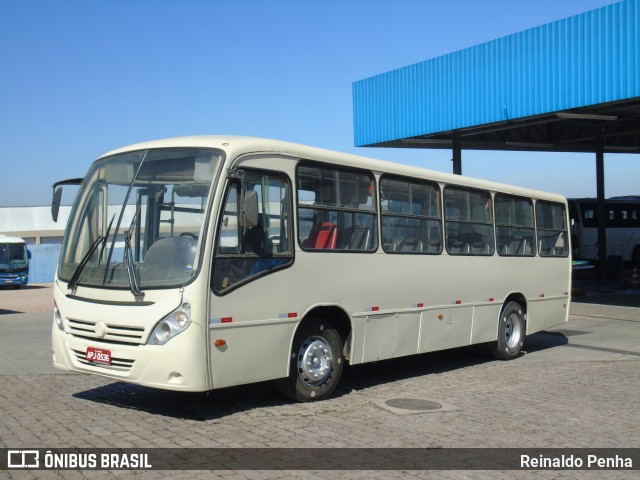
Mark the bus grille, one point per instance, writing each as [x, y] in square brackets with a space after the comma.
[120, 364]
[113, 333]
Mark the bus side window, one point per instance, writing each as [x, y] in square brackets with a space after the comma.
[468, 222]
[514, 226]
[244, 253]
[335, 208]
[551, 229]
[411, 216]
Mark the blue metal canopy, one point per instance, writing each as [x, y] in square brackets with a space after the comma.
[556, 87]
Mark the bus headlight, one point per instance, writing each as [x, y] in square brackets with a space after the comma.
[57, 318]
[170, 326]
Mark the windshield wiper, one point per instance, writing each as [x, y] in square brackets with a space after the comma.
[128, 260]
[122, 210]
[102, 239]
[75, 278]
[104, 244]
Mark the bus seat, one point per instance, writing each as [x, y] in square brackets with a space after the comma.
[322, 237]
[434, 246]
[410, 244]
[169, 254]
[359, 238]
[254, 239]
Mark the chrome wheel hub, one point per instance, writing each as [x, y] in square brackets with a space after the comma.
[314, 361]
[513, 330]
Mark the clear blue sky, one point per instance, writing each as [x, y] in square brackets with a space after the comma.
[79, 78]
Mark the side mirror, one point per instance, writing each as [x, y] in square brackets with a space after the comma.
[55, 203]
[29, 254]
[249, 212]
[57, 195]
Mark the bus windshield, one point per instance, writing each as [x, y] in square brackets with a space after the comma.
[138, 220]
[13, 256]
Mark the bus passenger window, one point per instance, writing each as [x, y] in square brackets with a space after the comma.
[335, 209]
[411, 219]
[514, 226]
[468, 222]
[551, 229]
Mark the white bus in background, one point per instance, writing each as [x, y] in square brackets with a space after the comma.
[248, 260]
[622, 219]
[14, 262]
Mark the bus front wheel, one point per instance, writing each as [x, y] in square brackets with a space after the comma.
[511, 333]
[316, 362]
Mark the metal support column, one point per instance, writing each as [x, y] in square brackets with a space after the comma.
[601, 212]
[457, 153]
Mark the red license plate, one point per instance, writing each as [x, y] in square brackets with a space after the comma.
[97, 355]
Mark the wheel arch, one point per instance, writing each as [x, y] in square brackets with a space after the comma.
[340, 320]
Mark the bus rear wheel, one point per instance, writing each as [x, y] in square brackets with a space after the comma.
[511, 333]
[316, 362]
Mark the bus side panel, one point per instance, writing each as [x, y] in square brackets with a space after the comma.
[445, 328]
[378, 340]
[248, 354]
[544, 313]
[407, 334]
[485, 323]
[549, 306]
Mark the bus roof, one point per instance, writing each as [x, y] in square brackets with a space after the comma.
[238, 145]
[7, 239]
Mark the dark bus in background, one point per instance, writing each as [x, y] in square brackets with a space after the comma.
[14, 261]
[623, 228]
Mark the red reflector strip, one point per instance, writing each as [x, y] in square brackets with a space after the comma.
[491, 299]
[542, 295]
[292, 315]
[375, 309]
[458, 302]
[420, 305]
[226, 320]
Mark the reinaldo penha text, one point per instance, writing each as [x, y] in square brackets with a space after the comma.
[576, 461]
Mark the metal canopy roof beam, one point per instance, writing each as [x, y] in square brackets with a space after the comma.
[600, 208]
[457, 153]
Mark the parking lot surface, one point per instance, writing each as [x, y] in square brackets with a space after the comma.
[576, 386]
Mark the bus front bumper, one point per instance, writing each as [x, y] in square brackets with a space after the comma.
[179, 364]
[14, 280]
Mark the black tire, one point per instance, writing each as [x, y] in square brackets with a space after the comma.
[318, 345]
[511, 333]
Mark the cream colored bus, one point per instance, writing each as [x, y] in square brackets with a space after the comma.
[199, 263]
